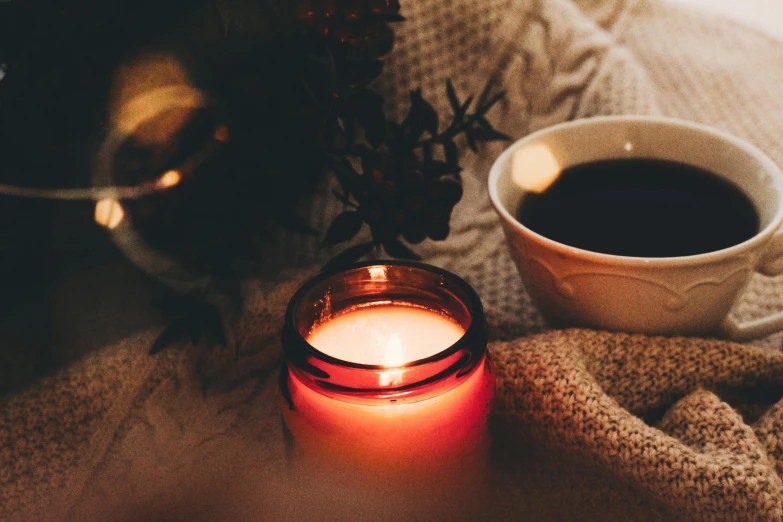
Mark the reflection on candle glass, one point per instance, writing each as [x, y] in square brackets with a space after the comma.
[395, 357]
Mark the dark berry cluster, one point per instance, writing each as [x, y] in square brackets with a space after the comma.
[361, 24]
[409, 180]
[399, 197]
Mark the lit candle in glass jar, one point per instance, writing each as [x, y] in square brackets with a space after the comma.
[387, 380]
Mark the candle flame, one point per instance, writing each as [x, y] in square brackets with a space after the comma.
[393, 357]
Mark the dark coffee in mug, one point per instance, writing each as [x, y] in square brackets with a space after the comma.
[641, 208]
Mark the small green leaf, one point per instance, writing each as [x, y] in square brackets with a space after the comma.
[173, 304]
[343, 198]
[436, 168]
[452, 95]
[485, 92]
[370, 160]
[426, 150]
[174, 332]
[359, 150]
[367, 107]
[343, 228]
[395, 248]
[320, 60]
[395, 130]
[344, 133]
[194, 328]
[488, 134]
[428, 118]
[485, 107]
[296, 223]
[458, 121]
[348, 256]
[379, 45]
[212, 325]
[450, 151]
[413, 123]
[362, 73]
[463, 110]
[345, 173]
[391, 18]
[228, 284]
[471, 140]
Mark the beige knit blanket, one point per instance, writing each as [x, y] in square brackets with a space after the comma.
[588, 425]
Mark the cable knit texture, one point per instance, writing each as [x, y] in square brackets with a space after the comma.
[588, 425]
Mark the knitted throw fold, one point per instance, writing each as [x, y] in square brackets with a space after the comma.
[589, 425]
[586, 393]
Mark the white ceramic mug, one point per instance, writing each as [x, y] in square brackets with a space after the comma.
[676, 295]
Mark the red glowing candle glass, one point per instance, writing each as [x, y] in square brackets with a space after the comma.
[387, 374]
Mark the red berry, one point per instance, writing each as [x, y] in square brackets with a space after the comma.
[385, 7]
[376, 175]
[389, 189]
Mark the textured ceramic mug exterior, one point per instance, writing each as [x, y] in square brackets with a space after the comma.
[676, 295]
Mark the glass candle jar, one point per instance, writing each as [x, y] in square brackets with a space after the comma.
[387, 383]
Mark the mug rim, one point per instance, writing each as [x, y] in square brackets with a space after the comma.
[766, 162]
